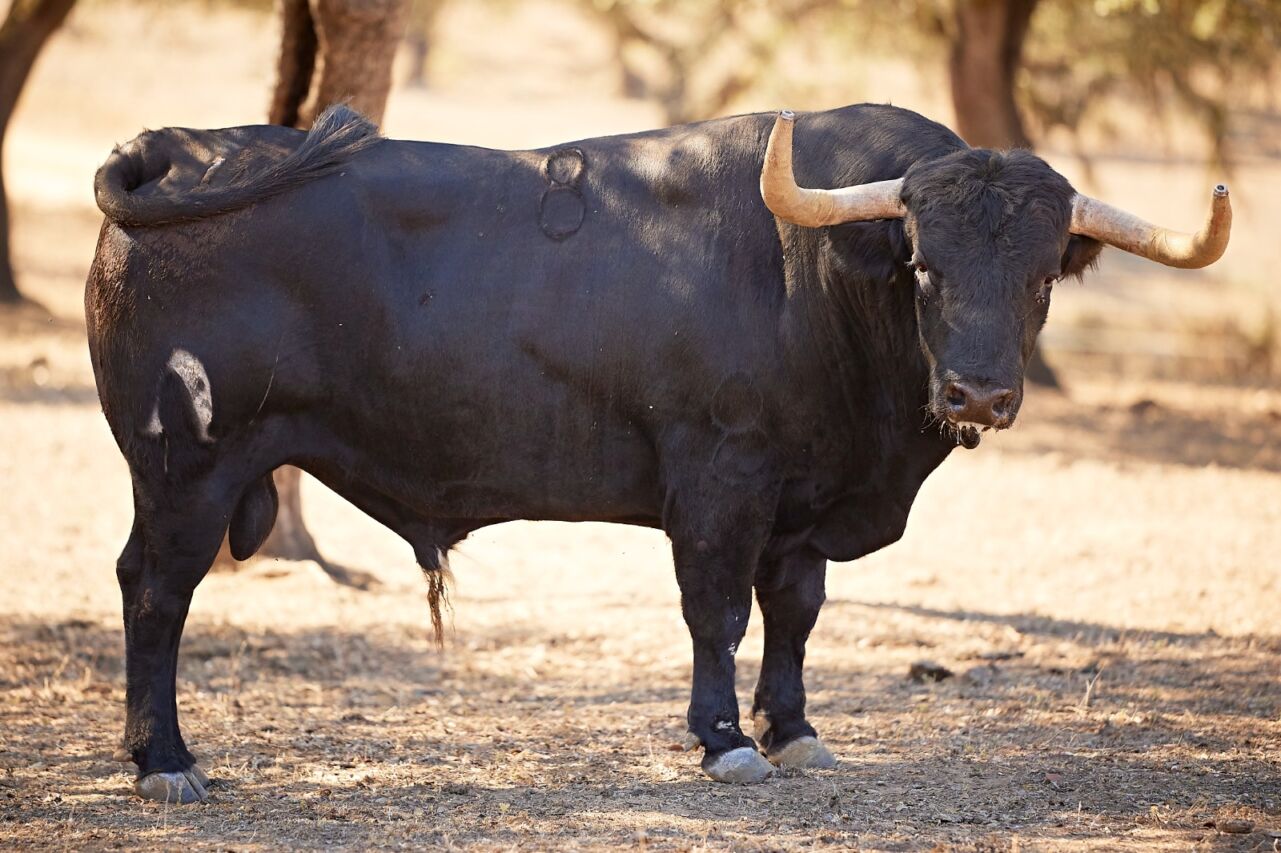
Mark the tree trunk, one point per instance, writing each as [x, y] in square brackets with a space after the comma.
[24, 32]
[358, 40]
[419, 50]
[9, 293]
[422, 15]
[986, 54]
[335, 51]
[290, 539]
[296, 64]
[987, 51]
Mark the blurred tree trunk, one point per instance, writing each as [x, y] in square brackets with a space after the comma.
[335, 51]
[987, 52]
[24, 32]
[290, 539]
[423, 15]
[330, 51]
[419, 52]
[296, 63]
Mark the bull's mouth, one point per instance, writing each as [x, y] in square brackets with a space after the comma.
[967, 434]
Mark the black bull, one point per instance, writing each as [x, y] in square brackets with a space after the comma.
[616, 330]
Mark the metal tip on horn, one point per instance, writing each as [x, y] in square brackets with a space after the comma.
[787, 115]
[1220, 190]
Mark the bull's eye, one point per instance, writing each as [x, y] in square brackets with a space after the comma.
[1043, 288]
[921, 274]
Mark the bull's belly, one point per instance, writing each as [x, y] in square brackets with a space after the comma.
[487, 462]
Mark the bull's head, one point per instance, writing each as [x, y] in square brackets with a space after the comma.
[990, 232]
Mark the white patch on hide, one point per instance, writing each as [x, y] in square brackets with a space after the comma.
[153, 423]
[192, 373]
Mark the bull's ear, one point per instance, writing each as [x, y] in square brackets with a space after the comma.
[1082, 254]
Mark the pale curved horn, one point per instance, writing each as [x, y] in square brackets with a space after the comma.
[815, 208]
[1116, 227]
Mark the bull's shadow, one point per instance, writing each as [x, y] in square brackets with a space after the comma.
[1092, 633]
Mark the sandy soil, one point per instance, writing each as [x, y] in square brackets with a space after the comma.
[1113, 626]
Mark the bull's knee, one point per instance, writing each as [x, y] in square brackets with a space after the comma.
[130, 562]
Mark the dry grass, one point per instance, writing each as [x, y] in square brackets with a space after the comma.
[1113, 623]
[535, 737]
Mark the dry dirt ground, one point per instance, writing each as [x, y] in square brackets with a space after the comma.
[1104, 581]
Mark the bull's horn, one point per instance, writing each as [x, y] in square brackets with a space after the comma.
[815, 208]
[1116, 227]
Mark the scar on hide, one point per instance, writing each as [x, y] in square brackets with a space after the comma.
[195, 379]
[736, 409]
[737, 404]
[561, 209]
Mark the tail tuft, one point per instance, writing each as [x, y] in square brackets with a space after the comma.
[439, 580]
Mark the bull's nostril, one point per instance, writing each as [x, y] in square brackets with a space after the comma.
[955, 396]
[1001, 405]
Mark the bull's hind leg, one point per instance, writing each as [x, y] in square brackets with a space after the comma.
[185, 501]
[716, 545]
[790, 592]
[164, 560]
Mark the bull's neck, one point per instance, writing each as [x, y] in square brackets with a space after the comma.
[859, 334]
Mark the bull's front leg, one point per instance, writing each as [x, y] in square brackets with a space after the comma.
[716, 548]
[790, 592]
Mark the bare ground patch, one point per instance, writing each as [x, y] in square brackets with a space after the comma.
[1051, 733]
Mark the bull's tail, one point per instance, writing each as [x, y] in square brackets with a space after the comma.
[434, 562]
[438, 583]
[337, 135]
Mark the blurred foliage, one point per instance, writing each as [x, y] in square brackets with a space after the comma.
[1198, 57]
[696, 57]
[1193, 56]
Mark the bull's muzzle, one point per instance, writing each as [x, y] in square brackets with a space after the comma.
[983, 403]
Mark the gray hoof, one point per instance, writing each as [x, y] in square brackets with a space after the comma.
[201, 776]
[804, 752]
[183, 788]
[742, 766]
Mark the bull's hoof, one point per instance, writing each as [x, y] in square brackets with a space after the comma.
[184, 788]
[201, 776]
[742, 766]
[804, 752]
